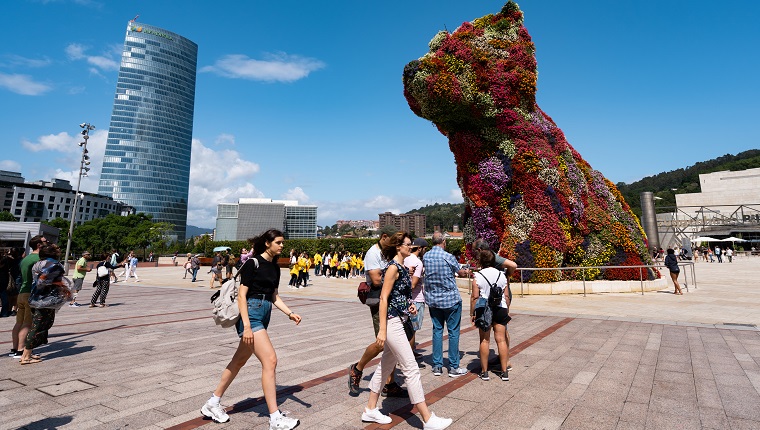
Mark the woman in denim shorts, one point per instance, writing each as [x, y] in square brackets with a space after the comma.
[259, 281]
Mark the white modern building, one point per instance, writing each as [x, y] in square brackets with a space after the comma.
[46, 200]
[728, 205]
[250, 217]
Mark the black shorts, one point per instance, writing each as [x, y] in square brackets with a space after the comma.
[501, 316]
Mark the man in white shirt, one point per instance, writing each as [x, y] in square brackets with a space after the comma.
[373, 267]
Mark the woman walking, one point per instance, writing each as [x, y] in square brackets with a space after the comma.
[102, 282]
[481, 290]
[43, 318]
[671, 262]
[396, 306]
[258, 284]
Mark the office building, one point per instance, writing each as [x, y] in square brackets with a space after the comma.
[250, 217]
[412, 223]
[147, 156]
[46, 200]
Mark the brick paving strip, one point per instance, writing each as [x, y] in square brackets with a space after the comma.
[399, 415]
[407, 411]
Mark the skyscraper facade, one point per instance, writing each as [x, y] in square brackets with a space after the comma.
[147, 158]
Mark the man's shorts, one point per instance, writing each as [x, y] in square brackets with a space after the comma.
[23, 312]
[78, 284]
[375, 311]
[417, 319]
[259, 313]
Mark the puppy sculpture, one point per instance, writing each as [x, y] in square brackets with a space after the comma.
[527, 192]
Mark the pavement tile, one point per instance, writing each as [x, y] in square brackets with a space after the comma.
[712, 418]
[662, 421]
[590, 419]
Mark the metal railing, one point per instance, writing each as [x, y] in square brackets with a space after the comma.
[689, 264]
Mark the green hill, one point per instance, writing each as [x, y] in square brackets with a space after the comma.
[664, 185]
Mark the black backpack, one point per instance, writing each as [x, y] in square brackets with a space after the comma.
[495, 293]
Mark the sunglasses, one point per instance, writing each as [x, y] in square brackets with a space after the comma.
[415, 248]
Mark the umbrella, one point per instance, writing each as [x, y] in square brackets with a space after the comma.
[733, 239]
[222, 248]
[705, 239]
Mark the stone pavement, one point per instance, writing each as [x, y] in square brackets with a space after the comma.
[613, 361]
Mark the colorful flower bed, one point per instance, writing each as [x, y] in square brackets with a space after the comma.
[527, 192]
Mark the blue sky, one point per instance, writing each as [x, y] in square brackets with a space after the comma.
[304, 100]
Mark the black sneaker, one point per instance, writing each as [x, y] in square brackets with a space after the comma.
[503, 375]
[354, 377]
[484, 376]
[394, 390]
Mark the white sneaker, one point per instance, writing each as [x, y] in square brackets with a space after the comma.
[375, 416]
[283, 423]
[437, 423]
[215, 412]
[455, 373]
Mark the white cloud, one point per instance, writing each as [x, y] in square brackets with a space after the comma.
[61, 142]
[455, 196]
[296, 193]
[22, 84]
[278, 67]
[10, 165]
[69, 156]
[13, 60]
[217, 176]
[225, 138]
[380, 202]
[76, 51]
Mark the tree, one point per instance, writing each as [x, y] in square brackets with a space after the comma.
[7, 216]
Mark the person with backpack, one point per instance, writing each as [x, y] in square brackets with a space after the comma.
[102, 283]
[490, 288]
[259, 286]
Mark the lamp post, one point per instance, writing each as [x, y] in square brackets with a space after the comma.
[83, 169]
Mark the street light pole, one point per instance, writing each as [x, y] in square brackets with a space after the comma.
[83, 169]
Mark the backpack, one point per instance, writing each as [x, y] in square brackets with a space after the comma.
[496, 293]
[226, 312]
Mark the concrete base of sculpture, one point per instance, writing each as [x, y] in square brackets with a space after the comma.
[576, 287]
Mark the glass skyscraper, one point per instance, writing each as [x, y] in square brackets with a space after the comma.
[147, 157]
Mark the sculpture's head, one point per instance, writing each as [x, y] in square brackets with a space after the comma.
[471, 76]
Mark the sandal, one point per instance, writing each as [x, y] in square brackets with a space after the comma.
[30, 360]
[103, 305]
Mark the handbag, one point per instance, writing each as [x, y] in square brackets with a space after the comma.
[407, 323]
[368, 295]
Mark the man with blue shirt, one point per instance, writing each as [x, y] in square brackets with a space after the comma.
[444, 302]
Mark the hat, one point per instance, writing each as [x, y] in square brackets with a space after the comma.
[420, 242]
[388, 230]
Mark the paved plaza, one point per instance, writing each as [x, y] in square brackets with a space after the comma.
[609, 361]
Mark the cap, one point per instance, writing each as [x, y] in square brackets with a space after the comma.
[388, 230]
[420, 242]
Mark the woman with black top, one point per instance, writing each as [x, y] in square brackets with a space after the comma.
[102, 282]
[671, 262]
[259, 281]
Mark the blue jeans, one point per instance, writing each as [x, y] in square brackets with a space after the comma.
[452, 317]
[195, 273]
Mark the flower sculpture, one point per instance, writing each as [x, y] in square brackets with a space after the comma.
[527, 192]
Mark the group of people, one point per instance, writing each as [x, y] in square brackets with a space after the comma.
[708, 254]
[338, 265]
[406, 279]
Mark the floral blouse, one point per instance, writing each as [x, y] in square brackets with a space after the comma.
[401, 295]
